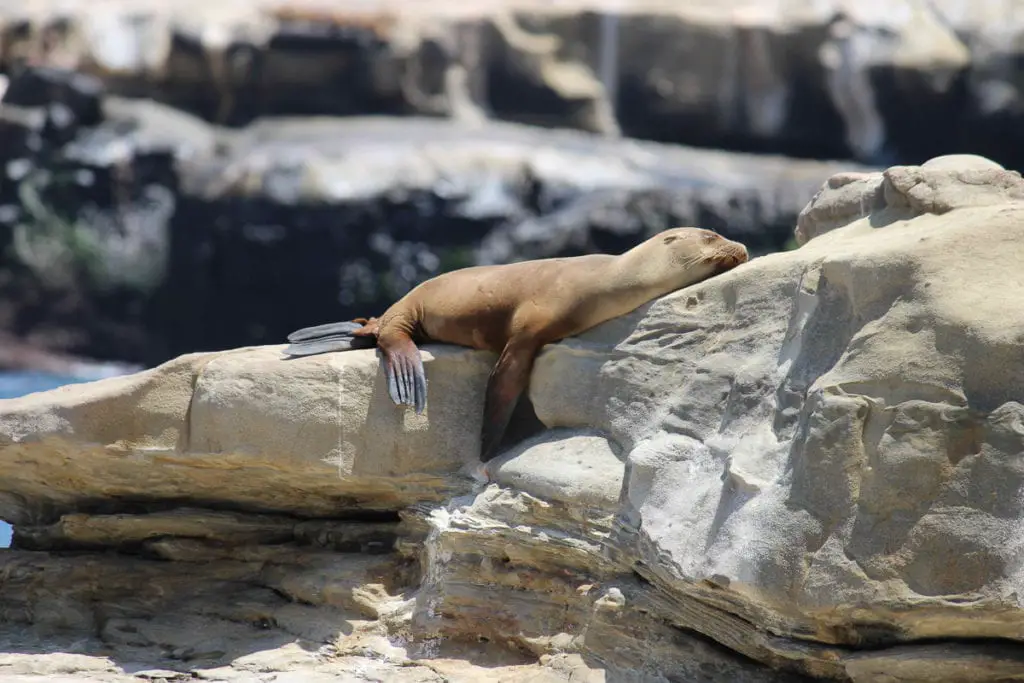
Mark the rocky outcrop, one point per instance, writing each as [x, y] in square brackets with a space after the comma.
[807, 467]
[895, 82]
[134, 232]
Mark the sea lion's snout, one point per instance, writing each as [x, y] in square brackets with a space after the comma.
[736, 254]
[709, 251]
[728, 254]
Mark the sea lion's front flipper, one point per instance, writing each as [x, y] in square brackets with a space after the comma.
[354, 334]
[508, 380]
[403, 369]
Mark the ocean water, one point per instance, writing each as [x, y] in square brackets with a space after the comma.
[14, 384]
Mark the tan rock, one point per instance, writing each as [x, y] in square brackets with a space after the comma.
[903, 192]
[576, 469]
[321, 438]
[833, 430]
[811, 461]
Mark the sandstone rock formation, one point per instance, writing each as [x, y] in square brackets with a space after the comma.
[808, 467]
[903, 80]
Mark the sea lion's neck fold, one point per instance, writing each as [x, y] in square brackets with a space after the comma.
[633, 276]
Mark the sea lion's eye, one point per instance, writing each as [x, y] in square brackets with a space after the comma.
[669, 239]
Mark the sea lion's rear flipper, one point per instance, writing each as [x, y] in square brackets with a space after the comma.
[403, 369]
[508, 380]
[354, 334]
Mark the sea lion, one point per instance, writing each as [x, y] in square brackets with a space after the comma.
[517, 308]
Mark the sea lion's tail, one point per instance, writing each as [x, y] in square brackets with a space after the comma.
[344, 336]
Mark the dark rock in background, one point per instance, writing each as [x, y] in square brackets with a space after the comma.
[153, 233]
[135, 231]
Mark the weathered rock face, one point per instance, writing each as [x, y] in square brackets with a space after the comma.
[895, 81]
[809, 466]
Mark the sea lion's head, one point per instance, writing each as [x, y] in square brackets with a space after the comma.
[701, 253]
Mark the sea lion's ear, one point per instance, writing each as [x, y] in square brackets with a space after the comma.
[669, 239]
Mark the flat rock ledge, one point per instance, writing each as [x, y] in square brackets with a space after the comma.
[807, 468]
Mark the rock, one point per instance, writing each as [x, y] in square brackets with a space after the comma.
[70, 100]
[818, 422]
[937, 186]
[877, 82]
[341, 457]
[576, 469]
[804, 468]
[154, 233]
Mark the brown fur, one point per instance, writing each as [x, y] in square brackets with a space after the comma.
[515, 309]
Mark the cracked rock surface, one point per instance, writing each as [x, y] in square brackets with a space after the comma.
[806, 468]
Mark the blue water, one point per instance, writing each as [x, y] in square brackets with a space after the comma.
[13, 384]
